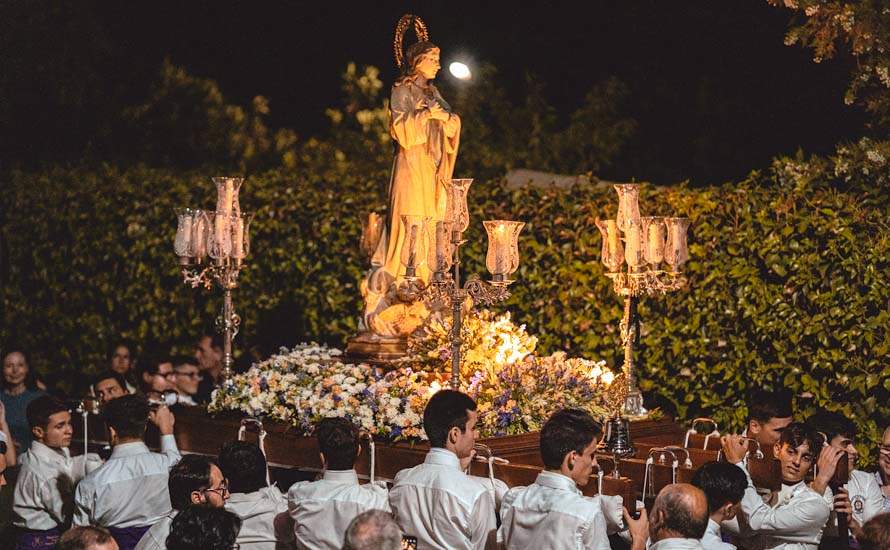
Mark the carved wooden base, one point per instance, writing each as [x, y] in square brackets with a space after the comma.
[381, 351]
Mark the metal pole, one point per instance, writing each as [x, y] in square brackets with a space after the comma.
[228, 332]
[456, 304]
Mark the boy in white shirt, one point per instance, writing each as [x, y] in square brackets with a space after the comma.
[265, 523]
[724, 485]
[436, 501]
[796, 514]
[128, 494]
[44, 491]
[552, 513]
[322, 510]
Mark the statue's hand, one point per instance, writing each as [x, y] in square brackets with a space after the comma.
[438, 113]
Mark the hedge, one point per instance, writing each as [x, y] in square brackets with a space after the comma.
[788, 277]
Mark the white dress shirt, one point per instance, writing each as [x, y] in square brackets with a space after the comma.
[264, 519]
[713, 538]
[880, 482]
[796, 521]
[552, 513]
[44, 492]
[323, 509]
[677, 544]
[156, 537]
[442, 506]
[130, 489]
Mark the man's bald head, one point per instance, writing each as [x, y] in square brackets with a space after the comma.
[680, 511]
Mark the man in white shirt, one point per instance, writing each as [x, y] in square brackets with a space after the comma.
[724, 486]
[265, 523]
[795, 516]
[323, 509]
[128, 494]
[44, 491]
[882, 475]
[436, 501]
[187, 379]
[109, 385]
[194, 481]
[373, 530]
[861, 497]
[552, 513]
[768, 414]
[679, 518]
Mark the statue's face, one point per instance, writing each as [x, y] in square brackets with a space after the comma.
[428, 64]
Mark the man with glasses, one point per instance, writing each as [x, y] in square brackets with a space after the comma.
[882, 476]
[195, 481]
[188, 376]
[157, 376]
[128, 494]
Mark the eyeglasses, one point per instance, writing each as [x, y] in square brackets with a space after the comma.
[222, 490]
[236, 546]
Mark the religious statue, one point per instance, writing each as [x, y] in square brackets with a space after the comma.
[426, 134]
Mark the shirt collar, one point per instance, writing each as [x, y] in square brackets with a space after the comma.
[442, 457]
[48, 453]
[344, 477]
[713, 527]
[676, 544]
[555, 480]
[129, 449]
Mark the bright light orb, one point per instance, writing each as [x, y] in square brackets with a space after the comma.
[459, 71]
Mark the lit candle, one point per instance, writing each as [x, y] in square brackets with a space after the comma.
[633, 249]
[238, 238]
[223, 241]
[199, 240]
[612, 228]
[229, 197]
[655, 242]
[501, 245]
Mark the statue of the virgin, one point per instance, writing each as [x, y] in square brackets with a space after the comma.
[426, 134]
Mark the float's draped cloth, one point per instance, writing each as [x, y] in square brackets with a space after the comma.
[427, 150]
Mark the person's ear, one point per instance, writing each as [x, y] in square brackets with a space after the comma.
[453, 435]
[197, 497]
[754, 427]
[324, 464]
[146, 377]
[777, 448]
[112, 435]
[38, 433]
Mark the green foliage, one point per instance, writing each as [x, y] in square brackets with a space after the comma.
[186, 122]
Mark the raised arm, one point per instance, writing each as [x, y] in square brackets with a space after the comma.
[410, 116]
[164, 420]
[483, 525]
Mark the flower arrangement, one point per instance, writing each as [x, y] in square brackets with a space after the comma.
[515, 390]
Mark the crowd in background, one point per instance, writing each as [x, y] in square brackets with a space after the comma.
[136, 498]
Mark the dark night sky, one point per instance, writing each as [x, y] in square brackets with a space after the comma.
[713, 87]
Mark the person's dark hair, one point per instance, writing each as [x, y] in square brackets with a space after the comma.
[876, 533]
[373, 530]
[445, 410]
[30, 378]
[150, 363]
[832, 424]
[679, 514]
[191, 473]
[216, 340]
[244, 465]
[566, 431]
[40, 409]
[338, 440]
[764, 405]
[182, 360]
[205, 528]
[721, 482]
[83, 538]
[121, 344]
[128, 415]
[107, 375]
[798, 433]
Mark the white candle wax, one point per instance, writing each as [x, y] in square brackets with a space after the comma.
[656, 245]
[238, 238]
[221, 232]
[183, 236]
[199, 242]
[632, 250]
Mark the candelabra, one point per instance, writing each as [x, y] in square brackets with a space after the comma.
[212, 247]
[437, 243]
[648, 242]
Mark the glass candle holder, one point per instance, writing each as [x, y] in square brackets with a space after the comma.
[415, 242]
[199, 244]
[220, 246]
[633, 244]
[182, 242]
[456, 211]
[654, 234]
[241, 235]
[676, 252]
[227, 194]
[441, 254]
[503, 248]
[628, 204]
[613, 252]
[372, 231]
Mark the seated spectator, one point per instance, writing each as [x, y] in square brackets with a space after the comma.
[768, 414]
[128, 494]
[187, 379]
[121, 361]
[882, 475]
[87, 538]
[724, 486]
[18, 387]
[876, 533]
[109, 385]
[157, 376]
[862, 499]
[552, 512]
[265, 523]
[373, 530]
[679, 518]
[209, 355]
[205, 528]
[44, 490]
[436, 501]
[194, 481]
[799, 511]
[322, 510]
